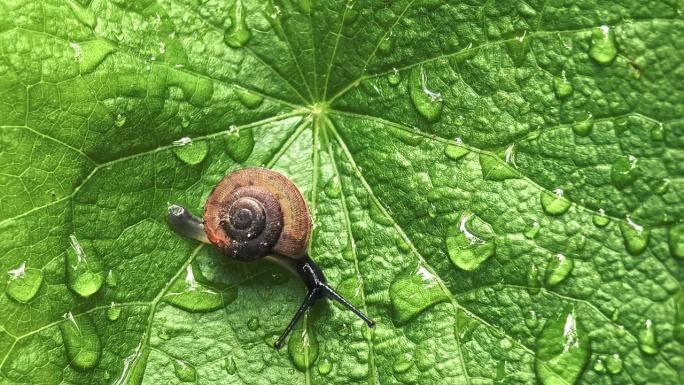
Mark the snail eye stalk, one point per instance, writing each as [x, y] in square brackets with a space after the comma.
[184, 223]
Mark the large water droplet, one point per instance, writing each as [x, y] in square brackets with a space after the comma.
[624, 171]
[394, 78]
[238, 34]
[562, 87]
[324, 366]
[81, 340]
[455, 152]
[184, 371]
[562, 351]
[302, 347]
[192, 295]
[554, 203]
[603, 47]
[248, 99]
[427, 102]
[678, 331]
[470, 242]
[113, 312]
[379, 217]
[600, 219]
[229, 365]
[532, 230]
[406, 136]
[676, 240]
[24, 283]
[558, 268]
[635, 236]
[494, 169]
[240, 144]
[413, 292]
[614, 364]
[403, 363]
[647, 342]
[190, 152]
[599, 367]
[84, 273]
[583, 128]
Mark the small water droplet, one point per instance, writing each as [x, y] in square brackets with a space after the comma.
[494, 169]
[185, 122]
[84, 273]
[533, 280]
[379, 217]
[532, 321]
[413, 292]
[394, 78]
[111, 279]
[532, 230]
[238, 34]
[658, 133]
[406, 136]
[470, 242]
[120, 120]
[324, 366]
[662, 187]
[81, 340]
[614, 364]
[189, 151]
[427, 102]
[558, 268]
[678, 331]
[599, 367]
[647, 342]
[253, 323]
[562, 87]
[191, 294]
[24, 283]
[635, 236]
[240, 144]
[302, 347]
[600, 219]
[554, 203]
[583, 128]
[624, 171]
[113, 312]
[455, 152]
[403, 363]
[676, 240]
[603, 46]
[562, 351]
[184, 371]
[333, 189]
[248, 99]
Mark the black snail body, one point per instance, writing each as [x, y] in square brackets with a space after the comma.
[258, 213]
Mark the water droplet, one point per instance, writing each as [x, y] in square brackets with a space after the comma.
[403, 363]
[583, 128]
[600, 219]
[562, 351]
[406, 136]
[376, 214]
[662, 187]
[494, 169]
[191, 294]
[427, 102]
[554, 203]
[333, 189]
[229, 365]
[394, 78]
[614, 364]
[185, 122]
[120, 120]
[676, 240]
[532, 230]
[533, 280]
[24, 283]
[678, 331]
[324, 366]
[624, 171]
[532, 321]
[253, 323]
[184, 371]
[84, 273]
[240, 144]
[93, 52]
[113, 312]
[411, 293]
[562, 87]
[647, 342]
[658, 133]
[603, 47]
[81, 340]
[238, 34]
[455, 152]
[558, 268]
[635, 236]
[598, 366]
[190, 152]
[470, 242]
[302, 347]
[84, 15]
[249, 99]
[111, 279]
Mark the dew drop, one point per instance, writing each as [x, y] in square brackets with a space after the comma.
[403, 363]
[229, 365]
[238, 34]
[93, 53]
[184, 371]
[599, 367]
[84, 274]
[647, 342]
[662, 187]
[558, 268]
[185, 122]
[603, 47]
[253, 323]
[302, 347]
[111, 279]
[81, 340]
[624, 171]
[678, 331]
[24, 283]
[113, 312]
[376, 214]
[455, 152]
[406, 136]
[614, 364]
[562, 351]
[324, 366]
[676, 240]
[240, 144]
[120, 120]
[532, 230]
[583, 128]
[332, 188]
[554, 203]
[533, 280]
[190, 294]
[532, 321]
[413, 292]
[190, 152]
[562, 87]
[494, 169]
[600, 219]
[427, 102]
[635, 236]
[84, 15]
[249, 99]
[394, 78]
[657, 133]
[470, 242]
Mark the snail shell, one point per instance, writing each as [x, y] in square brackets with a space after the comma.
[254, 212]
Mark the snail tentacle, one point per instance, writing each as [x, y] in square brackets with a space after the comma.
[184, 223]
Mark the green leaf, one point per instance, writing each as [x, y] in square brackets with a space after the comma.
[497, 184]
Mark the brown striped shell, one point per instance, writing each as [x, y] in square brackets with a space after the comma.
[255, 212]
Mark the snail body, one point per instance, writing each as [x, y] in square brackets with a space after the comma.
[256, 213]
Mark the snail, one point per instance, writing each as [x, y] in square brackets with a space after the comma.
[256, 213]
